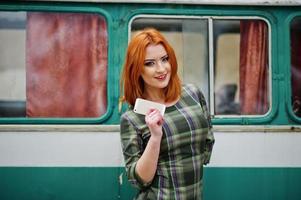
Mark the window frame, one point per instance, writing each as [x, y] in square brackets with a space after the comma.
[269, 66]
[288, 70]
[222, 119]
[111, 87]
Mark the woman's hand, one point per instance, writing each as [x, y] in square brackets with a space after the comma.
[154, 121]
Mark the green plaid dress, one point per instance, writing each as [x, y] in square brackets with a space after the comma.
[186, 146]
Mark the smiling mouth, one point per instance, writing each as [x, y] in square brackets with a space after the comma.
[161, 77]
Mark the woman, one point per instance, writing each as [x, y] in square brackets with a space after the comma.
[164, 155]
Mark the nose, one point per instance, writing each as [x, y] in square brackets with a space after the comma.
[160, 67]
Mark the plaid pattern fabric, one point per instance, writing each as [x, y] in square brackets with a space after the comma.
[185, 147]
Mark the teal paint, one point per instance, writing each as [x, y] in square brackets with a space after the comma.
[45, 183]
[127, 191]
[94, 183]
[252, 183]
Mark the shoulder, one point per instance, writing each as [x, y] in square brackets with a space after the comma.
[192, 88]
[127, 116]
[195, 92]
[127, 122]
[130, 118]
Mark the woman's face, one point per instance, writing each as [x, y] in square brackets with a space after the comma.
[157, 70]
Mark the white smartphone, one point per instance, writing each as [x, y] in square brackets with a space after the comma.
[142, 106]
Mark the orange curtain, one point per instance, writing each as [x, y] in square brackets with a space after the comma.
[66, 65]
[296, 66]
[253, 67]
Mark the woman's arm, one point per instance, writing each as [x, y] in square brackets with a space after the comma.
[147, 164]
[134, 152]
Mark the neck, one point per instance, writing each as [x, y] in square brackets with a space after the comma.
[156, 95]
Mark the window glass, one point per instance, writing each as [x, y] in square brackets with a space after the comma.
[53, 64]
[240, 58]
[241, 67]
[12, 64]
[189, 39]
[295, 32]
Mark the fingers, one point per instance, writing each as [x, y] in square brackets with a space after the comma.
[153, 116]
[154, 121]
[153, 113]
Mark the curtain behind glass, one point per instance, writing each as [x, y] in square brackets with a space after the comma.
[296, 66]
[66, 65]
[253, 67]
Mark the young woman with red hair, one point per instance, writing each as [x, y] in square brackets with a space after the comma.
[164, 155]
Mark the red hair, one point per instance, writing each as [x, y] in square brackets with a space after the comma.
[131, 80]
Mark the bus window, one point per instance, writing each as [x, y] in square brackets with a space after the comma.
[295, 32]
[53, 64]
[189, 38]
[12, 64]
[240, 60]
[241, 85]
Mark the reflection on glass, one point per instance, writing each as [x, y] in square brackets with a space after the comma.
[295, 32]
[53, 64]
[189, 38]
[241, 67]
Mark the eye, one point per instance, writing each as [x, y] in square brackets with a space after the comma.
[149, 63]
[165, 59]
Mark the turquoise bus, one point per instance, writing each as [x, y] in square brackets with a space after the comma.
[60, 65]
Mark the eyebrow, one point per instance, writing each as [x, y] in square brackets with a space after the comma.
[150, 59]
